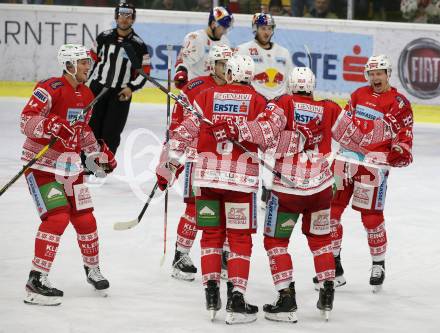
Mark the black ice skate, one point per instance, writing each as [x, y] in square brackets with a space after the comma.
[95, 278]
[339, 275]
[224, 273]
[183, 267]
[377, 275]
[213, 301]
[40, 292]
[239, 311]
[284, 308]
[325, 301]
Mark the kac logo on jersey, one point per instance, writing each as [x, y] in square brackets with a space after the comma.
[231, 103]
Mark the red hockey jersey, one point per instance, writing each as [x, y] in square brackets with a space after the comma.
[367, 106]
[223, 165]
[55, 96]
[309, 170]
[188, 94]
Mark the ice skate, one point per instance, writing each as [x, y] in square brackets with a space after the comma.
[97, 280]
[377, 275]
[183, 267]
[239, 311]
[284, 308]
[40, 292]
[339, 275]
[213, 301]
[325, 301]
[224, 273]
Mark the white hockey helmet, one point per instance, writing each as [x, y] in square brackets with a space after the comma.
[69, 54]
[380, 61]
[301, 79]
[241, 67]
[218, 52]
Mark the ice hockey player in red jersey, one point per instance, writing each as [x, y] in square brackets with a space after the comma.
[379, 120]
[183, 267]
[228, 179]
[56, 180]
[302, 155]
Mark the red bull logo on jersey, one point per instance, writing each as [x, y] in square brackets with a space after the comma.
[270, 78]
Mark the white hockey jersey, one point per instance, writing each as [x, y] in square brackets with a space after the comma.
[194, 53]
[272, 68]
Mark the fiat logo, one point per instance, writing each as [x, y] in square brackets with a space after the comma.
[419, 68]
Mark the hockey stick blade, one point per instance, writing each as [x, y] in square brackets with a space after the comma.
[125, 225]
[130, 224]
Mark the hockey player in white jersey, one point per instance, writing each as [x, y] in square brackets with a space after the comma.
[273, 65]
[192, 60]
[272, 61]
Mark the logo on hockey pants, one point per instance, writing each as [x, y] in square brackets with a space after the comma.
[53, 195]
[208, 213]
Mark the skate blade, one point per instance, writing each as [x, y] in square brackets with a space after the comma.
[233, 318]
[37, 299]
[212, 314]
[326, 314]
[287, 317]
[224, 274]
[101, 293]
[377, 289]
[179, 275]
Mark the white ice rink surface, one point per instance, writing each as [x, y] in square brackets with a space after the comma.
[144, 298]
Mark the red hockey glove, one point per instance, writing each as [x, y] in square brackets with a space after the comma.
[180, 79]
[167, 173]
[106, 159]
[224, 131]
[400, 154]
[61, 129]
[312, 133]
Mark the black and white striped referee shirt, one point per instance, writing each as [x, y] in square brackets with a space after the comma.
[109, 42]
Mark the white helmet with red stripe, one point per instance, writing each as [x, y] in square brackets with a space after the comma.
[380, 61]
[218, 52]
[69, 54]
[301, 79]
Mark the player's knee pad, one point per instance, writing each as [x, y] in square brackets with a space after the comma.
[271, 242]
[84, 223]
[213, 238]
[240, 243]
[372, 220]
[55, 223]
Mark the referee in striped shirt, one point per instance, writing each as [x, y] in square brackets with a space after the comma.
[110, 113]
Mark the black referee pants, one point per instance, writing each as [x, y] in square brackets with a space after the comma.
[109, 116]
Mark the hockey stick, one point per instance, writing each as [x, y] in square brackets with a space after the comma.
[309, 55]
[130, 224]
[52, 141]
[167, 136]
[137, 66]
